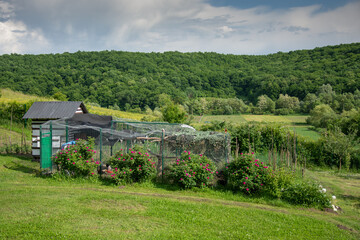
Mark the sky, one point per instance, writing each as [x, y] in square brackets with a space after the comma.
[254, 27]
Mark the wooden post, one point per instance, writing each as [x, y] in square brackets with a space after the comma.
[295, 157]
[274, 158]
[249, 141]
[11, 117]
[237, 148]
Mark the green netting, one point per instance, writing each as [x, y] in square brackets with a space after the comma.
[164, 141]
[45, 148]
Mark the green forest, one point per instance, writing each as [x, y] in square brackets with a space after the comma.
[133, 80]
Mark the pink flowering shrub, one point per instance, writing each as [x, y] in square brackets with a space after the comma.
[77, 160]
[135, 166]
[192, 170]
[247, 174]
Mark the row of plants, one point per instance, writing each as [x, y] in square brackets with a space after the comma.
[245, 174]
[333, 149]
[15, 149]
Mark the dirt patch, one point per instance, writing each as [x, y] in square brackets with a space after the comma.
[344, 228]
[330, 210]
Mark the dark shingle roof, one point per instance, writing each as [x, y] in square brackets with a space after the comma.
[53, 110]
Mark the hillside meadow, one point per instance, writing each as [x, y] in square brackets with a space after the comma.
[34, 207]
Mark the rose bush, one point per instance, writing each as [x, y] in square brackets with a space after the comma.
[192, 170]
[247, 174]
[135, 166]
[77, 159]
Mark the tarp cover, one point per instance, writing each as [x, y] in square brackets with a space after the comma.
[90, 120]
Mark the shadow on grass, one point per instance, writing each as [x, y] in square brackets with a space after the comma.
[26, 157]
[350, 197]
[22, 163]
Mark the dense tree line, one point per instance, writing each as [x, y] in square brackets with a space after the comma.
[136, 80]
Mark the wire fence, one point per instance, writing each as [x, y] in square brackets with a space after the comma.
[163, 141]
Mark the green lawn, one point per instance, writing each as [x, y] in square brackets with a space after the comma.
[32, 207]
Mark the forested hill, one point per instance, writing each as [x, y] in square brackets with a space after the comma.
[115, 77]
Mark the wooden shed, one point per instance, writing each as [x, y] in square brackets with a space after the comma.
[41, 112]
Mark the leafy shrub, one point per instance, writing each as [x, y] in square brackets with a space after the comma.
[77, 159]
[192, 170]
[277, 181]
[283, 111]
[247, 174]
[307, 194]
[135, 166]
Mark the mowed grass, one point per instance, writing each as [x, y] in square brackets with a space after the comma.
[233, 119]
[32, 207]
[307, 132]
[267, 118]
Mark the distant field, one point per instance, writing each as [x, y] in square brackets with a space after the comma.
[234, 119]
[115, 113]
[306, 132]
[296, 122]
[8, 95]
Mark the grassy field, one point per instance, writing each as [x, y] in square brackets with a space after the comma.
[32, 207]
[295, 122]
[235, 119]
[9, 96]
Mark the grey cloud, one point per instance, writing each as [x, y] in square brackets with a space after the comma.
[295, 29]
[162, 25]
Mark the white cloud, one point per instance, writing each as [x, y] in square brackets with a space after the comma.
[162, 25]
[14, 35]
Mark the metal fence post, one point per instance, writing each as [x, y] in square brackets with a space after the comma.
[100, 151]
[111, 134]
[40, 146]
[67, 131]
[162, 153]
[51, 144]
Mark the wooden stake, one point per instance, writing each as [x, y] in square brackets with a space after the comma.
[295, 157]
[237, 148]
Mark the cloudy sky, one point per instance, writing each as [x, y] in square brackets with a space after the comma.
[223, 26]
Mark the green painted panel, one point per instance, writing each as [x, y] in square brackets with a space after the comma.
[45, 150]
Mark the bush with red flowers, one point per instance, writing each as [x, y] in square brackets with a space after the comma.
[192, 170]
[77, 159]
[134, 166]
[247, 174]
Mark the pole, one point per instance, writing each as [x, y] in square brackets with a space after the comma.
[226, 150]
[111, 133]
[40, 145]
[67, 131]
[51, 142]
[162, 154]
[100, 151]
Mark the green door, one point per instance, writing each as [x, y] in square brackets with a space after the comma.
[45, 150]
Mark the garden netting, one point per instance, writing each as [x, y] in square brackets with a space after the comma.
[163, 141]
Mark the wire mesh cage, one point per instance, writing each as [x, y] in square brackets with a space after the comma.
[163, 141]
